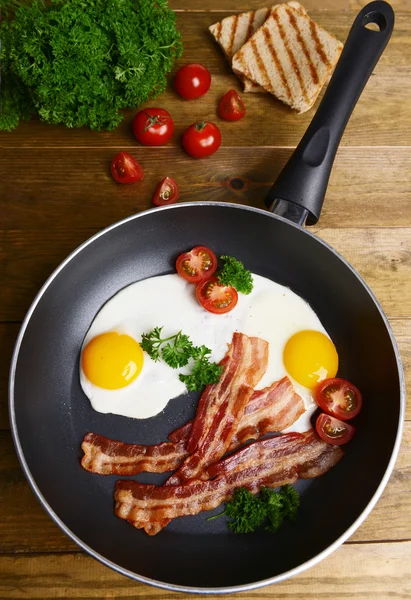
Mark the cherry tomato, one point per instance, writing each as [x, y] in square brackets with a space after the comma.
[201, 139]
[166, 192]
[125, 168]
[192, 81]
[153, 126]
[214, 297]
[339, 398]
[333, 430]
[196, 265]
[231, 107]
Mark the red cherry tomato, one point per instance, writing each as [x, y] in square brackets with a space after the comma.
[153, 126]
[214, 297]
[192, 81]
[339, 398]
[201, 139]
[166, 192]
[333, 430]
[231, 107]
[125, 168]
[196, 265]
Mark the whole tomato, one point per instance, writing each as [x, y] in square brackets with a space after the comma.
[192, 81]
[153, 126]
[201, 139]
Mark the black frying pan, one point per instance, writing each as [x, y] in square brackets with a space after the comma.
[50, 414]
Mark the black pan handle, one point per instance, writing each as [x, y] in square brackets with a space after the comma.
[299, 190]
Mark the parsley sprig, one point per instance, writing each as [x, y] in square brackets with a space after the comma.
[247, 511]
[177, 350]
[233, 273]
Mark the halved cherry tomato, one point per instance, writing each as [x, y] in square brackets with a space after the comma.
[201, 139]
[192, 81]
[231, 107]
[333, 430]
[214, 297]
[339, 398]
[153, 126]
[125, 168]
[196, 265]
[166, 192]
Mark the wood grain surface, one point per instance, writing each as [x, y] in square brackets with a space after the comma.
[56, 191]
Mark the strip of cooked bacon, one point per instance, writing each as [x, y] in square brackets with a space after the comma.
[110, 457]
[222, 405]
[271, 462]
[271, 409]
[244, 365]
[219, 412]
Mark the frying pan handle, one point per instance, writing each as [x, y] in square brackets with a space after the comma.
[299, 191]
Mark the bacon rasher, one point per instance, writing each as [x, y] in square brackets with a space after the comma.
[220, 409]
[110, 457]
[271, 463]
[269, 410]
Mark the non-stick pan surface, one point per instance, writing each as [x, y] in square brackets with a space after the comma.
[50, 414]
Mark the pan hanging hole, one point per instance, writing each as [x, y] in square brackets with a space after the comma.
[374, 21]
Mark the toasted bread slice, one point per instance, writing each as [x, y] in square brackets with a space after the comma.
[232, 33]
[290, 56]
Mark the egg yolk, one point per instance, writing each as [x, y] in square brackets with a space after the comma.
[309, 357]
[112, 360]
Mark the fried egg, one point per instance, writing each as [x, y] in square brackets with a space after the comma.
[118, 377]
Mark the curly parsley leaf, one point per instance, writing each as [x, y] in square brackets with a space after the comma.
[203, 373]
[178, 354]
[290, 499]
[233, 273]
[273, 504]
[80, 63]
[245, 511]
[151, 342]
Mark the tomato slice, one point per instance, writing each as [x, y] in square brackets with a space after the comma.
[196, 265]
[231, 107]
[339, 398]
[166, 192]
[125, 168]
[214, 297]
[333, 430]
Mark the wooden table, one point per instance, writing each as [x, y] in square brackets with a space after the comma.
[56, 191]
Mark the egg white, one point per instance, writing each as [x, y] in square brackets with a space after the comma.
[272, 312]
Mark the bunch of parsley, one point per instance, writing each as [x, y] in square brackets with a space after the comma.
[79, 62]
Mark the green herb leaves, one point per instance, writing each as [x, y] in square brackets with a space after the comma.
[176, 355]
[79, 63]
[247, 511]
[176, 351]
[233, 273]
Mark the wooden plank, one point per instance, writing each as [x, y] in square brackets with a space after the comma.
[385, 98]
[359, 572]
[8, 335]
[26, 527]
[383, 258]
[381, 255]
[9, 331]
[309, 5]
[361, 182]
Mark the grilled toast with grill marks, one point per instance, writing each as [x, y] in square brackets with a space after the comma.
[290, 56]
[232, 33]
